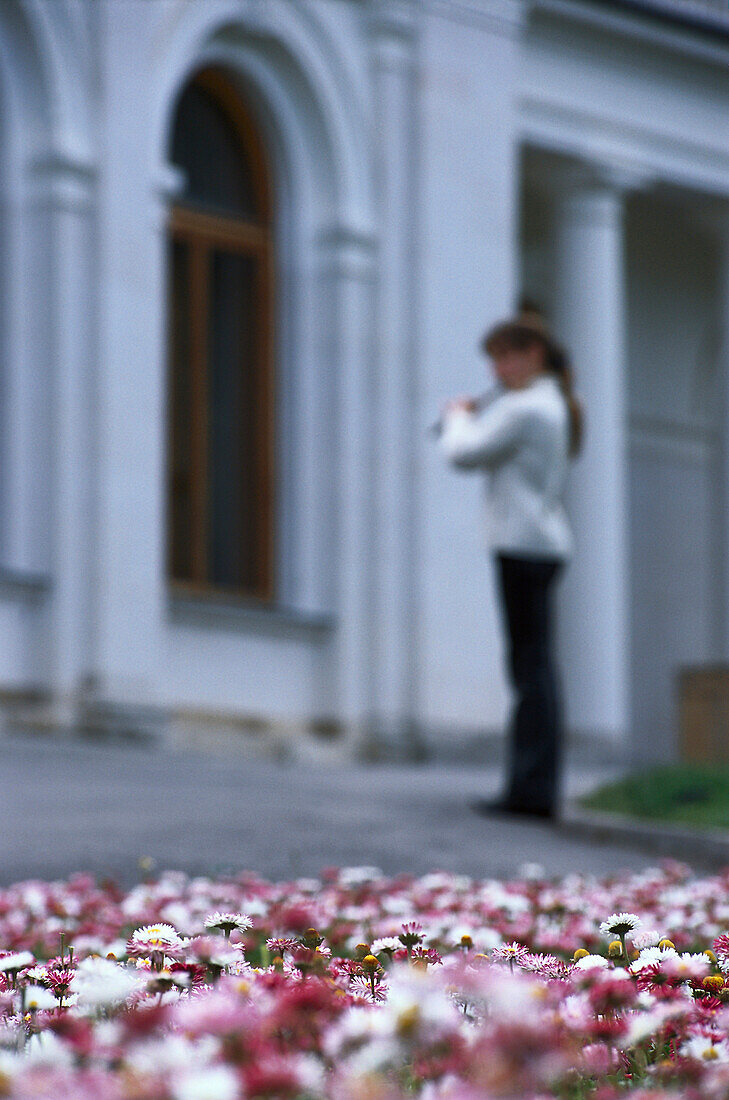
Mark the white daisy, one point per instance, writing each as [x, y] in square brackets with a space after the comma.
[591, 962]
[390, 944]
[101, 983]
[213, 1083]
[647, 938]
[706, 1049]
[228, 922]
[159, 935]
[619, 924]
[155, 939]
[649, 956]
[37, 998]
[15, 961]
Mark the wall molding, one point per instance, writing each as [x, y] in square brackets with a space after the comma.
[562, 127]
[244, 617]
[686, 442]
[494, 16]
[21, 584]
[689, 39]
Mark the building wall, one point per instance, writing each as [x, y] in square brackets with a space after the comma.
[469, 276]
[401, 136]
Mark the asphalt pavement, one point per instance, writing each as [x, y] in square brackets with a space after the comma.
[76, 805]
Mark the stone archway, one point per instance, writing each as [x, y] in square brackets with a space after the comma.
[293, 80]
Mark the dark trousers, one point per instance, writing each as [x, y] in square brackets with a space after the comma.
[525, 587]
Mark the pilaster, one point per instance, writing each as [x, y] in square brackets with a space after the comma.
[393, 55]
[62, 196]
[131, 368]
[347, 271]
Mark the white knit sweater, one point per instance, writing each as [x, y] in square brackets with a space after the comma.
[521, 440]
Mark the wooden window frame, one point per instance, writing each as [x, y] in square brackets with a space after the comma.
[203, 234]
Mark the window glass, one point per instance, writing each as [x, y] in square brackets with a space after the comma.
[207, 147]
[221, 418]
[181, 471]
[235, 428]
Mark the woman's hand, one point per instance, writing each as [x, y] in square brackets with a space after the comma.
[467, 404]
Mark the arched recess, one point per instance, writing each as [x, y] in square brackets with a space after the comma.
[221, 378]
[290, 80]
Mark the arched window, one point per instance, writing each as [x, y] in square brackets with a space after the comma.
[220, 496]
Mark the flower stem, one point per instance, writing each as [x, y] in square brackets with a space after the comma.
[625, 950]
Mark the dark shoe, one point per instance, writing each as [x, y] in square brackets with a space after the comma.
[502, 807]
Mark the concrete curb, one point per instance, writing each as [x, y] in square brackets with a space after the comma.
[709, 847]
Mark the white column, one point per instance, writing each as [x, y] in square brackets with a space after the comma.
[395, 661]
[347, 259]
[590, 319]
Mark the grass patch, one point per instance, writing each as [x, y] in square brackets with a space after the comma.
[682, 794]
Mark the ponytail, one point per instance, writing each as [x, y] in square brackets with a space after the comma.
[529, 325]
[557, 361]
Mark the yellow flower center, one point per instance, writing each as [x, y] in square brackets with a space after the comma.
[407, 1020]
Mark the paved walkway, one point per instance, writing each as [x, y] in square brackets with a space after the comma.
[73, 805]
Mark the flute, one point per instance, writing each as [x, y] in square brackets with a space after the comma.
[481, 402]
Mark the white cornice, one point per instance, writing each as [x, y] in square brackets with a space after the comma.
[618, 177]
[639, 27]
[393, 31]
[495, 16]
[570, 130]
[392, 19]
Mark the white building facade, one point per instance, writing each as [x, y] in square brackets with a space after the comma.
[393, 175]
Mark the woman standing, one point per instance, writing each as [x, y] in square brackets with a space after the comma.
[523, 433]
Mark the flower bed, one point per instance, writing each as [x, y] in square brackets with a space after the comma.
[360, 987]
